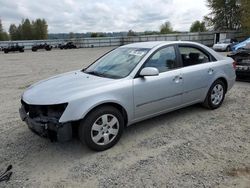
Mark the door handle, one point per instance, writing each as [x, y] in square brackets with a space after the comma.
[210, 71]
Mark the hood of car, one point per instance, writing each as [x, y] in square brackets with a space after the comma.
[60, 88]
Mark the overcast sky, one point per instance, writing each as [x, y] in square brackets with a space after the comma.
[81, 16]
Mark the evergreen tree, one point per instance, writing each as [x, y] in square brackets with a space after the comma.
[27, 30]
[3, 35]
[27, 33]
[13, 32]
[19, 32]
[44, 29]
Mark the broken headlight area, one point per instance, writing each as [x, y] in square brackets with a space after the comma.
[45, 112]
[44, 120]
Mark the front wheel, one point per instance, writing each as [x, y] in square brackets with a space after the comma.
[215, 95]
[102, 128]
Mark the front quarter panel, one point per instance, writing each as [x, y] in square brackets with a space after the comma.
[119, 93]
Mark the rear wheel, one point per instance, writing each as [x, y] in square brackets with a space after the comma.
[102, 128]
[215, 95]
[228, 49]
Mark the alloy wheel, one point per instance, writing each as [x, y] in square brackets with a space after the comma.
[105, 129]
[217, 94]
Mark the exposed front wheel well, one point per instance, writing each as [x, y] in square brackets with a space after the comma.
[115, 105]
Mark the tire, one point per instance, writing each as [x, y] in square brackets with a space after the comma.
[94, 132]
[228, 49]
[5, 51]
[47, 48]
[215, 95]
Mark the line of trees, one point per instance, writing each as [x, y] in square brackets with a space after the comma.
[26, 30]
[29, 30]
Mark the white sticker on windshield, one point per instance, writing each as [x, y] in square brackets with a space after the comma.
[137, 53]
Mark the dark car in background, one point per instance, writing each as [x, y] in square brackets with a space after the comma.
[68, 45]
[39, 46]
[13, 47]
[242, 59]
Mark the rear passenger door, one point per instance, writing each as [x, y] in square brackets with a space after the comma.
[197, 73]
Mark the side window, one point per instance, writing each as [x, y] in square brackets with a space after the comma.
[163, 60]
[192, 56]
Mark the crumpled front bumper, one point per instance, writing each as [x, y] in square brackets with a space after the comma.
[48, 128]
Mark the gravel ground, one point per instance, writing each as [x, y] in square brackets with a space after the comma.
[191, 147]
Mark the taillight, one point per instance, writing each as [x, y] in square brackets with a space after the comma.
[234, 65]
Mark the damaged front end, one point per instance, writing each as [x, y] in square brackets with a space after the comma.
[44, 121]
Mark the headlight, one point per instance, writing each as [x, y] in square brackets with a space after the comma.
[54, 111]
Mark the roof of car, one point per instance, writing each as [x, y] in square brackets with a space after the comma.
[144, 44]
[153, 44]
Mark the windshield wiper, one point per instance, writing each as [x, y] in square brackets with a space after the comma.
[101, 74]
[96, 73]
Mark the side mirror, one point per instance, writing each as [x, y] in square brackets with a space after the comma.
[149, 71]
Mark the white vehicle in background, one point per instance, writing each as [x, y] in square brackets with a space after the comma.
[225, 45]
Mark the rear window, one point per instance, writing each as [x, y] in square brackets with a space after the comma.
[192, 56]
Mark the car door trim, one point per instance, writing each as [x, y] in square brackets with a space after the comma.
[160, 99]
[188, 91]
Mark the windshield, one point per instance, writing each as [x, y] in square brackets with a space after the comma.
[117, 63]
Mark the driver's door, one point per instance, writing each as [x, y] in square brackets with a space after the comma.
[156, 94]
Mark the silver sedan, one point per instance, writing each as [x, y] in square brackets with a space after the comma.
[127, 85]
